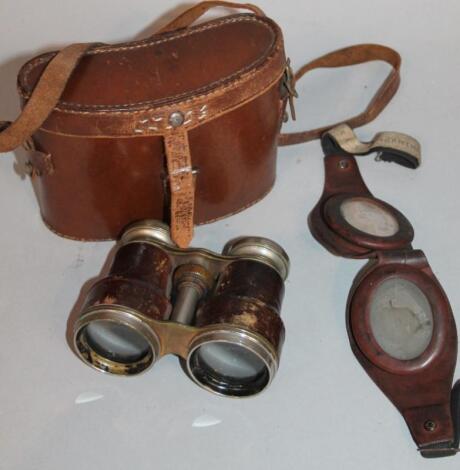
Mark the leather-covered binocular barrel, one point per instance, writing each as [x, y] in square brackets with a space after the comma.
[219, 313]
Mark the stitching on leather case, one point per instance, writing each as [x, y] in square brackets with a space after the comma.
[220, 90]
[149, 43]
[188, 32]
[143, 133]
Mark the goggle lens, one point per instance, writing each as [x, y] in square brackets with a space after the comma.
[401, 319]
[368, 217]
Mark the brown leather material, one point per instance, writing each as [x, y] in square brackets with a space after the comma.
[420, 384]
[46, 95]
[352, 55]
[90, 108]
[102, 184]
[421, 393]
[343, 180]
[102, 138]
[182, 187]
[102, 114]
[138, 279]
[192, 14]
[247, 294]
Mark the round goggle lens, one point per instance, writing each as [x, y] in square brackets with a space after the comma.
[116, 342]
[401, 319]
[369, 217]
[229, 369]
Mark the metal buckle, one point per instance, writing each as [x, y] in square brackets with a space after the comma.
[288, 89]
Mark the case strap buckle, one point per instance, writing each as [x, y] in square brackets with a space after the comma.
[288, 89]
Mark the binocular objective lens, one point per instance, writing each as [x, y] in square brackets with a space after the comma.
[116, 342]
[230, 360]
[229, 369]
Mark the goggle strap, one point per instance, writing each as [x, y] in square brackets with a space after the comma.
[391, 146]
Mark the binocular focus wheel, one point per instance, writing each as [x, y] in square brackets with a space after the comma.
[260, 249]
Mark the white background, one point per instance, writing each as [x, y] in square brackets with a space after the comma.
[322, 411]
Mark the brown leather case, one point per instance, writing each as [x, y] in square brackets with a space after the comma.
[182, 126]
[105, 136]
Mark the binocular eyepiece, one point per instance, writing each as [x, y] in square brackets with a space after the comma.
[220, 313]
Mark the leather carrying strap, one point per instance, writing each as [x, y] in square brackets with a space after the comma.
[178, 156]
[352, 55]
[192, 14]
[54, 79]
[182, 186]
[44, 98]
[51, 86]
[58, 71]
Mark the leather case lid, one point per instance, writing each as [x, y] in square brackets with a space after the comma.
[164, 68]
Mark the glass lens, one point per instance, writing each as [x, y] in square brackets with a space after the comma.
[401, 319]
[368, 217]
[116, 342]
[229, 368]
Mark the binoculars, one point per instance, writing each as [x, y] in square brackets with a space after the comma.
[219, 313]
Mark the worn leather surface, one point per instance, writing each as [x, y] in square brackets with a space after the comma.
[100, 115]
[248, 294]
[346, 56]
[46, 96]
[193, 13]
[102, 183]
[424, 393]
[163, 68]
[420, 388]
[139, 278]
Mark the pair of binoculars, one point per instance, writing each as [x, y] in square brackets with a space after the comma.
[220, 313]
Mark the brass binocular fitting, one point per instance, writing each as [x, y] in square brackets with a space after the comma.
[220, 313]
